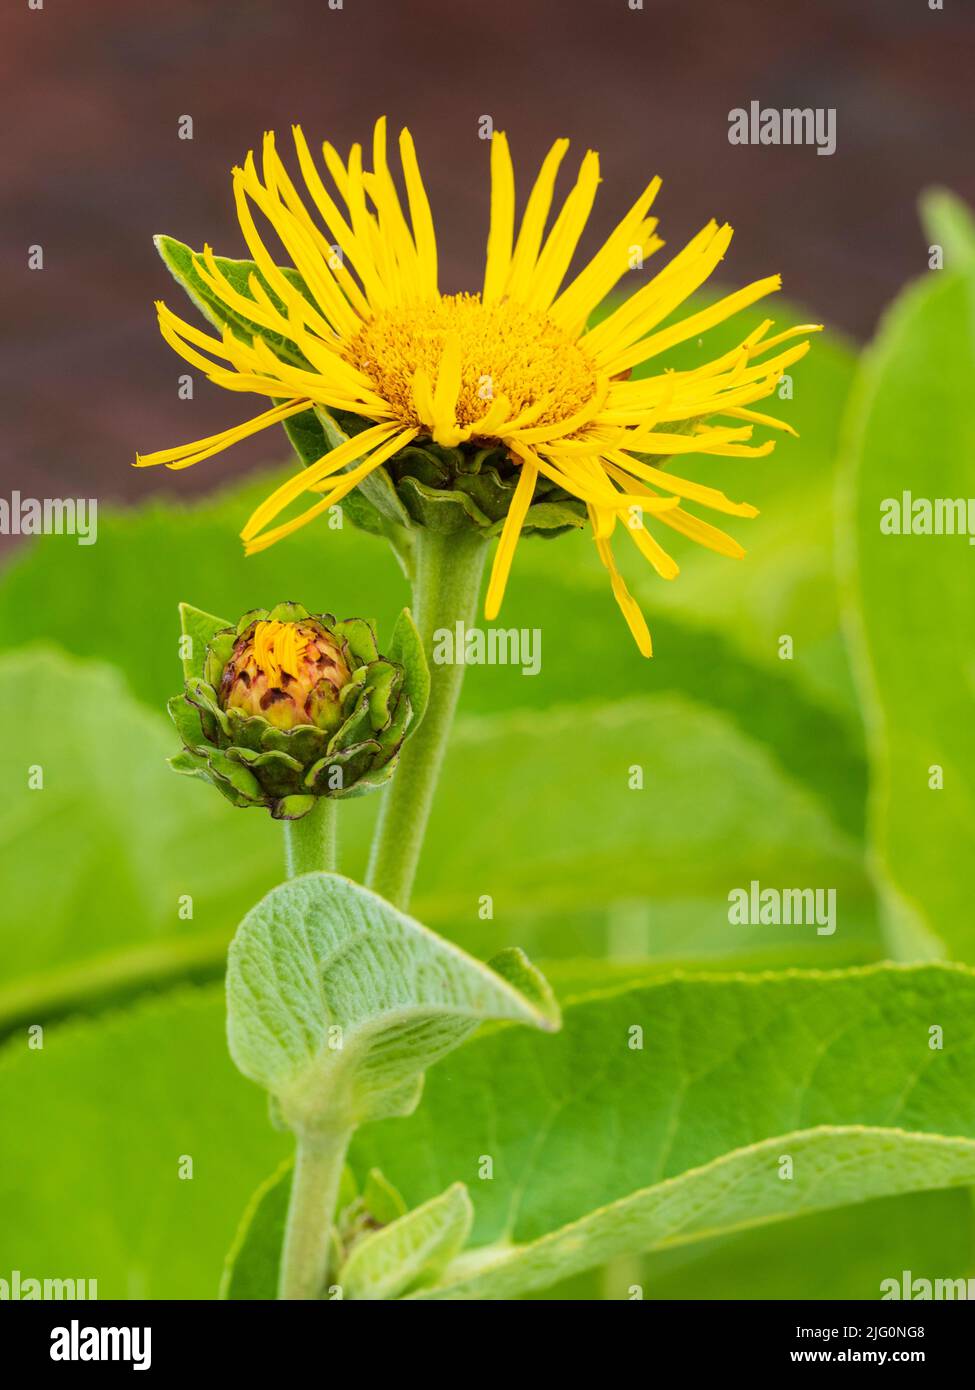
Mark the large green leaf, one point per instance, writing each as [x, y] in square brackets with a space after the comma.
[572, 848]
[337, 1003]
[251, 1268]
[600, 1148]
[96, 1129]
[912, 610]
[948, 223]
[112, 868]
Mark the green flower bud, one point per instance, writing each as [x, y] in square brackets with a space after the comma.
[290, 707]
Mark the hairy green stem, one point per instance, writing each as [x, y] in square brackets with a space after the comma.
[309, 843]
[445, 589]
[319, 1160]
[446, 584]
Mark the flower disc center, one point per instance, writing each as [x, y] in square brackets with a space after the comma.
[505, 350]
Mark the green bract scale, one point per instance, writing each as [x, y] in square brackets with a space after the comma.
[466, 488]
[290, 706]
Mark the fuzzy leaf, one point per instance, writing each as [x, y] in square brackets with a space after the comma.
[410, 1252]
[337, 1003]
[182, 263]
[515, 967]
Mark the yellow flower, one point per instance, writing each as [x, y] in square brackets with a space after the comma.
[514, 365]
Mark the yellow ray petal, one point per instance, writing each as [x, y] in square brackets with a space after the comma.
[533, 222]
[658, 442]
[334, 376]
[423, 397]
[392, 222]
[249, 188]
[246, 186]
[664, 564]
[367, 234]
[702, 532]
[787, 334]
[580, 486]
[743, 451]
[682, 275]
[529, 415]
[555, 471]
[750, 385]
[446, 392]
[501, 232]
[260, 311]
[508, 541]
[630, 494]
[691, 327]
[571, 424]
[336, 224]
[175, 332]
[757, 417]
[628, 605]
[593, 442]
[340, 484]
[610, 263]
[346, 452]
[185, 455]
[492, 421]
[336, 167]
[323, 271]
[332, 399]
[685, 395]
[269, 538]
[420, 215]
[589, 484]
[681, 487]
[561, 243]
[343, 485]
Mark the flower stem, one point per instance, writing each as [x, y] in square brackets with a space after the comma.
[319, 1160]
[445, 590]
[309, 843]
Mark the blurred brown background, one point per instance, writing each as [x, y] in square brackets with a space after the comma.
[92, 165]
